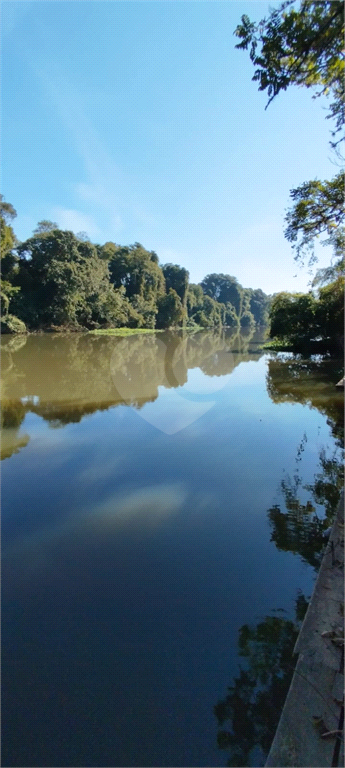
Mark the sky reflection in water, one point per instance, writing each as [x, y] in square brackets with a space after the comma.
[137, 481]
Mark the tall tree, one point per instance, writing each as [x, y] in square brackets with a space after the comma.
[64, 282]
[45, 226]
[176, 277]
[304, 46]
[224, 289]
[137, 271]
[318, 209]
[170, 310]
[301, 46]
[8, 238]
[9, 259]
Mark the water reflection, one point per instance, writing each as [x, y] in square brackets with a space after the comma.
[310, 381]
[253, 705]
[63, 378]
[131, 559]
[298, 527]
[92, 531]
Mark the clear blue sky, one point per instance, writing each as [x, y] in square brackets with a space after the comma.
[139, 121]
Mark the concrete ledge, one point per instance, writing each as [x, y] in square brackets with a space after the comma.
[314, 704]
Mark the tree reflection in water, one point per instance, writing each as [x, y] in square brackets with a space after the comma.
[252, 707]
[253, 704]
[63, 378]
[298, 528]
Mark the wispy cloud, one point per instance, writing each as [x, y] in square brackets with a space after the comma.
[75, 221]
[103, 176]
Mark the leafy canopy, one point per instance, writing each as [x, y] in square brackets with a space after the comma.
[318, 209]
[299, 46]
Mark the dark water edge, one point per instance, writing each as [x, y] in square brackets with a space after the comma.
[164, 504]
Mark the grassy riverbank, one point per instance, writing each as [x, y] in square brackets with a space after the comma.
[122, 331]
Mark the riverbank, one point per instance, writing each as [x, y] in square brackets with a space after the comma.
[310, 730]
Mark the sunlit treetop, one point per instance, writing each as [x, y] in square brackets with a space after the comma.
[302, 46]
[318, 210]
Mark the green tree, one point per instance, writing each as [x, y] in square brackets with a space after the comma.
[294, 317]
[330, 310]
[45, 226]
[224, 289]
[259, 305]
[8, 258]
[299, 318]
[64, 283]
[305, 47]
[138, 272]
[210, 314]
[318, 209]
[301, 46]
[170, 310]
[8, 239]
[230, 318]
[177, 277]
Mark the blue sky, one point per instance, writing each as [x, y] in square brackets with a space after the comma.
[139, 121]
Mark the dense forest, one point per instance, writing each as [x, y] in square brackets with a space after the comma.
[57, 280]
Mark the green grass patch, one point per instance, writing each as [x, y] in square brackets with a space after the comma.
[283, 346]
[122, 331]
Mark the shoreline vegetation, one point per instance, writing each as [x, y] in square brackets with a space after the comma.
[59, 282]
[122, 331]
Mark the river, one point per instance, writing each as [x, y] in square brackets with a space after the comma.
[160, 493]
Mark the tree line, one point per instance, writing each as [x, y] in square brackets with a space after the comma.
[59, 280]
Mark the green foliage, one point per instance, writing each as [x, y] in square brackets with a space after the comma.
[8, 241]
[298, 528]
[331, 309]
[304, 47]
[259, 304]
[137, 271]
[64, 283]
[224, 289]
[206, 312]
[59, 280]
[300, 379]
[121, 331]
[293, 316]
[254, 702]
[247, 319]
[318, 209]
[176, 277]
[170, 310]
[45, 226]
[12, 324]
[297, 318]
[210, 314]
[299, 47]
[7, 293]
[230, 318]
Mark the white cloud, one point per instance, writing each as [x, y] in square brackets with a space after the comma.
[75, 221]
[103, 176]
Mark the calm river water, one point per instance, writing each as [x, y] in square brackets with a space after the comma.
[154, 503]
